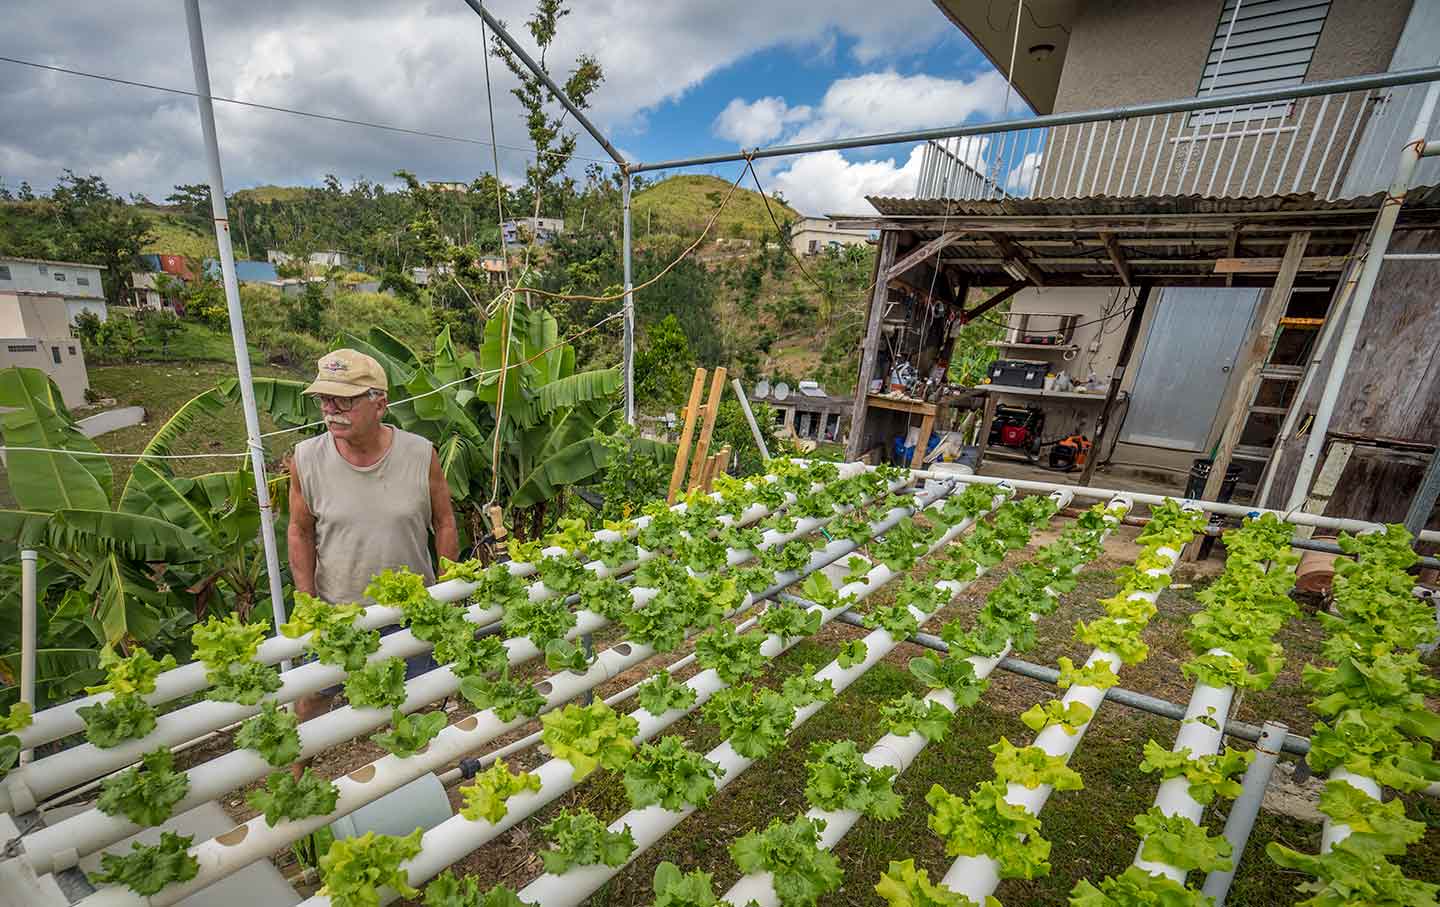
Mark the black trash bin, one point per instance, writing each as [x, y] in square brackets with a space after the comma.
[1199, 475]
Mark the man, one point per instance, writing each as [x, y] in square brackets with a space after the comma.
[363, 496]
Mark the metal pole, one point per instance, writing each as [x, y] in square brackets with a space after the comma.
[750, 417]
[549, 83]
[237, 318]
[1180, 105]
[1424, 500]
[1374, 261]
[28, 633]
[1296, 746]
[629, 340]
[1244, 810]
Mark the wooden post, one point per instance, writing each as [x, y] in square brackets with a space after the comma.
[927, 426]
[1262, 335]
[871, 345]
[712, 409]
[682, 453]
[982, 437]
[1132, 330]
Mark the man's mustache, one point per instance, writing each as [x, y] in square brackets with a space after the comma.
[334, 419]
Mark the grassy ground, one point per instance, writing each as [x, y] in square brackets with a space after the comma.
[162, 388]
[682, 204]
[173, 236]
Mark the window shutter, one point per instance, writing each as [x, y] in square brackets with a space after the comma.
[1262, 44]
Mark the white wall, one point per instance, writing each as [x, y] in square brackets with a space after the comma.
[40, 277]
[69, 374]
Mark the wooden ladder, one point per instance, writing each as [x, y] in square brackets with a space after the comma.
[703, 468]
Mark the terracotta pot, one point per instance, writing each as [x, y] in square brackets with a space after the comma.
[1316, 570]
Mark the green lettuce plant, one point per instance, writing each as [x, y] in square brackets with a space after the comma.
[148, 868]
[485, 797]
[272, 733]
[579, 839]
[670, 774]
[409, 734]
[790, 852]
[837, 777]
[147, 793]
[355, 869]
[589, 737]
[286, 797]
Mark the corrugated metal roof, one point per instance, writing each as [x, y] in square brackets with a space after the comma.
[1296, 203]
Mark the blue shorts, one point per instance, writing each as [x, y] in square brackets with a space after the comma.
[415, 665]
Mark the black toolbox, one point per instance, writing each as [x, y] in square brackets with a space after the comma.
[1019, 373]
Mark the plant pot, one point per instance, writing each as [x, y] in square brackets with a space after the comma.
[1316, 570]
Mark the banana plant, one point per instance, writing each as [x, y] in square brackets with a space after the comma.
[147, 567]
[547, 427]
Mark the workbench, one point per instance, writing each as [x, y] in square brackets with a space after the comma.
[928, 412]
[993, 392]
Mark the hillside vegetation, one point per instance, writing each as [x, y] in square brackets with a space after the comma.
[683, 204]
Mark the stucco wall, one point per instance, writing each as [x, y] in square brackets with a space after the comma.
[69, 374]
[1133, 51]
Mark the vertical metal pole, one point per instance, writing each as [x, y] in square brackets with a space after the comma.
[750, 417]
[1374, 261]
[28, 633]
[1244, 810]
[1424, 500]
[237, 318]
[629, 340]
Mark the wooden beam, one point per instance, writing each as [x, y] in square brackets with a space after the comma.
[993, 301]
[1232, 250]
[871, 345]
[682, 453]
[1262, 336]
[712, 409]
[1117, 376]
[1117, 258]
[1276, 265]
[920, 253]
[1018, 257]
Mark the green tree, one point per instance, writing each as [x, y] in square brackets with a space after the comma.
[663, 363]
[545, 117]
[97, 227]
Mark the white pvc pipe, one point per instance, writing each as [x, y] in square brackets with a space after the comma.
[457, 836]
[1208, 705]
[237, 849]
[1299, 518]
[977, 876]
[1333, 832]
[28, 605]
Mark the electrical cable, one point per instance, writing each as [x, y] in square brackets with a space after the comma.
[495, 152]
[348, 121]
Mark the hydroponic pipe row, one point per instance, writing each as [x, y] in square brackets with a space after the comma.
[255, 840]
[1247, 605]
[893, 751]
[451, 840]
[648, 825]
[64, 719]
[976, 877]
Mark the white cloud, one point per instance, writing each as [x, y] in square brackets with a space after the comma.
[416, 65]
[755, 122]
[871, 103]
[826, 183]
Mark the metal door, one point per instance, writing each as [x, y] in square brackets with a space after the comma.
[1188, 359]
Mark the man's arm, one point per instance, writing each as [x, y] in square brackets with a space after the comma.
[442, 514]
[300, 536]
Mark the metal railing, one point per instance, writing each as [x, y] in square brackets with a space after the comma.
[1335, 145]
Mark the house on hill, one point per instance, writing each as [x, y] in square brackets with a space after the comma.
[1198, 254]
[813, 235]
[39, 302]
[541, 229]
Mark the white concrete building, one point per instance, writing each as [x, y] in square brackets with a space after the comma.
[813, 235]
[78, 285]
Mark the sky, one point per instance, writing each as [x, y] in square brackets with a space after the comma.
[682, 78]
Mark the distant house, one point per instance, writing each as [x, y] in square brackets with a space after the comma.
[178, 265]
[35, 333]
[78, 285]
[329, 258]
[245, 271]
[448, 186]
[145, 293]
[542, 229]
[813, 235]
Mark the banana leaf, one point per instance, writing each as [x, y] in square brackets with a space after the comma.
[570, 465]
[518, 374]
[48, 481]
[129, 535]
[282, 398]
[576, 389]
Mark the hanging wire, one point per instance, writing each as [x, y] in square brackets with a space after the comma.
[495, 152]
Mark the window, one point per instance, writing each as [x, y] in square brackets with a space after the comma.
[55, 354]
[44, 269]
[82, 281]
[71, 349]
[4, 272]
[1260, 44]
[22, 347]
[60, 276]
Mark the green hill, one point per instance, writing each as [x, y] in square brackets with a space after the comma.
[273, 193]
[176, 236]
[683, 204]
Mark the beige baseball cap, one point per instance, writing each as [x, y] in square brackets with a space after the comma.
[347, 373]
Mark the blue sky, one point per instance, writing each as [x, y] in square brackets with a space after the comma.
[682, 77]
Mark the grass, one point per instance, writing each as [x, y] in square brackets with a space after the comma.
[683, 204]
[175, 236]
[162, 388]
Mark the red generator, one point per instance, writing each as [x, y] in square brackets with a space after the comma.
[1018, 428]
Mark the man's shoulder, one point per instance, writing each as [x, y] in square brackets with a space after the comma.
[412, 440]
[311, 445]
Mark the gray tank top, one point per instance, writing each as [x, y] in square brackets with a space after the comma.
[367, 519]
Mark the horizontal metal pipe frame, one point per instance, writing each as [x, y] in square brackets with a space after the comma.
[1180, 105]
[1143, 702]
